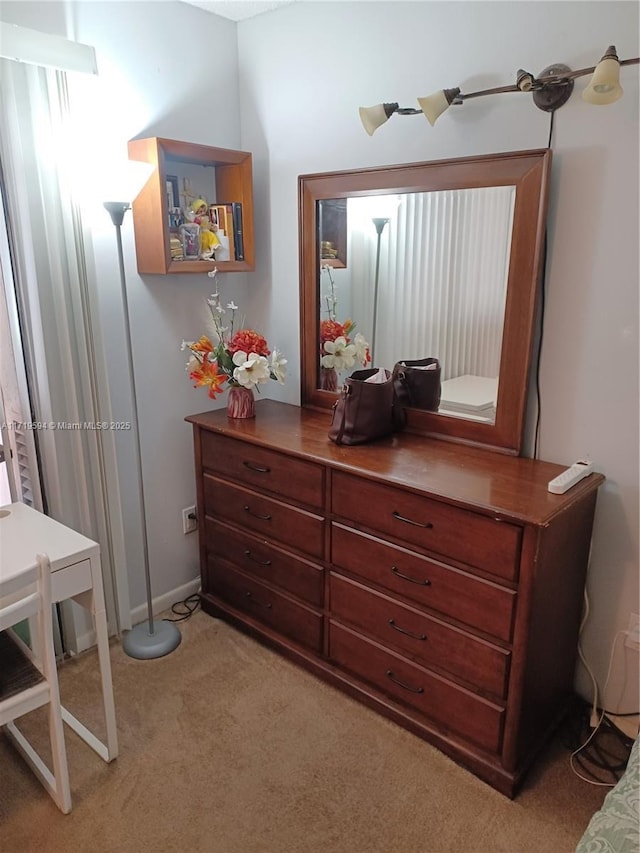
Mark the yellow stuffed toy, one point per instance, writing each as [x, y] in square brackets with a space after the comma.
[198, 210]
[209, 241]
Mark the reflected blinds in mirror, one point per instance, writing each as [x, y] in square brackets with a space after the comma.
[444, 262]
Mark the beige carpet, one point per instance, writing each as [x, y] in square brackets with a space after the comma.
[227, 748]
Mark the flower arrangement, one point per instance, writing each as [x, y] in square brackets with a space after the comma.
[239, 357]
[340, 349]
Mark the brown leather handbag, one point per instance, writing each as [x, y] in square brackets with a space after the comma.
[365, 409]
[417, 383]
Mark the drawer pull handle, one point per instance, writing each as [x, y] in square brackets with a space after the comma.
[407, 578]
[426, 524]
[267, 517]
[268, 605]
[397, 681]
[408, 633]
[257, 468]
[248, 554]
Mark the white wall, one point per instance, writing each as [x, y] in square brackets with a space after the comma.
[305, 70]
[171, 70]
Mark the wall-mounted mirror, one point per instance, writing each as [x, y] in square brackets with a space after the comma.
[443, 262]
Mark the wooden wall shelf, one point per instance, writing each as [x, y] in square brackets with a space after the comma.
[231, 179]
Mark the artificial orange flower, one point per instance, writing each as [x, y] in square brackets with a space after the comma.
[246, 340]
[330, 330]
[202, 345]
[206, 375]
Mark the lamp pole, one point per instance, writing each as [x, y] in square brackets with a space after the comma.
[151, 639]
[379, 223]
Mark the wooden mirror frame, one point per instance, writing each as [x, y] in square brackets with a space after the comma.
[529, 172]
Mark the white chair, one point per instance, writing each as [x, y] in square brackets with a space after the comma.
[29, 680]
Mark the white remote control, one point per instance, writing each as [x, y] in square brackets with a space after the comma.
[563, 482]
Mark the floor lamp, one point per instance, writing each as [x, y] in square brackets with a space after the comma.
[150, 639]
[379, 223]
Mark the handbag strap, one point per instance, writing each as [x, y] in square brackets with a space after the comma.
[346, 391]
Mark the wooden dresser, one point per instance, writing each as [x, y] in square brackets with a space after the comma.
[440, 584]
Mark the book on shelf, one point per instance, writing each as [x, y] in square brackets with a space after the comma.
[233, 220]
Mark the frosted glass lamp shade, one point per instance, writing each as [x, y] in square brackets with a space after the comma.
[434, 105]
[604, 86]
[373, 117]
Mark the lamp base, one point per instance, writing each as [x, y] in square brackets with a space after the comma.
[140, 643]
[551, 96]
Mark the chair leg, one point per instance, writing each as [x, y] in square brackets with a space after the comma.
[59, 759]
[56, 783]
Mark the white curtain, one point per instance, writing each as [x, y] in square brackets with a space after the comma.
[444, 259]
[57, 305]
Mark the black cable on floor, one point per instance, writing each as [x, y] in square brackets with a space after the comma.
[601, 757]
[189, 606]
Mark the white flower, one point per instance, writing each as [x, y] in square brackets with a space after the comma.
[213, 273]
[214, 303]
[186, 344]
[361, 346]
[340, 354]
[232, 306]
[250, 370]
[278, 366]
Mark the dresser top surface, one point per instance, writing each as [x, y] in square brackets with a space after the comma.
[510, 486]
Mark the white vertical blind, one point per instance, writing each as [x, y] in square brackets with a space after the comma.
[444, 261]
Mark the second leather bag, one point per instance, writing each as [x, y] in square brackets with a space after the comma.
[417, 383]
[364, 410]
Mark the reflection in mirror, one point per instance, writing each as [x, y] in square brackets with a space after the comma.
[456, 262]
[427, 278]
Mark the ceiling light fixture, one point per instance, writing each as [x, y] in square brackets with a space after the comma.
[550, 90]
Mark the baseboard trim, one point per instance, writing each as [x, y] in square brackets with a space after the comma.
[87, 640]
[164, 602]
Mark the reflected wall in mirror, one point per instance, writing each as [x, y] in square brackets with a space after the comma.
[443, 262]
[439, 264]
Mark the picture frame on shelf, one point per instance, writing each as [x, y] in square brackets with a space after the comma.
[173, 195]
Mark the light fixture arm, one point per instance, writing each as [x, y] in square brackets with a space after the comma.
[550, 91]
[539, 82]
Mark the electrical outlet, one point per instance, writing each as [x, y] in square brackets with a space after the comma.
[632, 640]
[189, 519]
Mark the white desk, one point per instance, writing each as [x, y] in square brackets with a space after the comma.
[75, 574]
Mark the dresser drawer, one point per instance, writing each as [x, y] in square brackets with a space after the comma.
[264, 516]
[262, 469]
[453, 708]
[267, 562]
[457, 534]
[425, 640]
[478, 603]
[299, 623]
